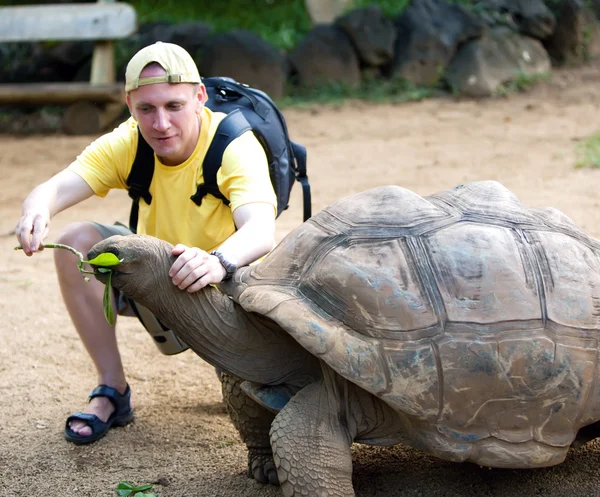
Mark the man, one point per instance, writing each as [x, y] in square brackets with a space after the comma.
[166, 99]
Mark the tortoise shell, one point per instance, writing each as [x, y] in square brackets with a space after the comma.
[463, 311]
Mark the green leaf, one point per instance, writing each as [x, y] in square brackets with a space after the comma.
[104, 270]
[141, 488]
[109, 312]
[125, 489]
[106, 260]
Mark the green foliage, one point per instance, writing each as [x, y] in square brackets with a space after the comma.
[105, 260]
[390, 8]
[107, 305]
[281, 23]
[393, 7]
[103, 263]
[371, 90]
[588, 152]
[126, 489]
[523, 82]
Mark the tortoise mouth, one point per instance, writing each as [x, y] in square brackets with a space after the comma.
[95, 251]
[102, 274]
[110, 270]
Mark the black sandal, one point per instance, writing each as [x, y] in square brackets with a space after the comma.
[122, 415]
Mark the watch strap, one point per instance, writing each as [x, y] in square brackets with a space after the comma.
[230, 267]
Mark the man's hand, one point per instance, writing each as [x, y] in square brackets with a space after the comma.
[194, 268]
[45, 201]
[31, 230]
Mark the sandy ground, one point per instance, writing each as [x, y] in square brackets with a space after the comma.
[182, 437]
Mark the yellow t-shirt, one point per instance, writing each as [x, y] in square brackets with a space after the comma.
[243, 178]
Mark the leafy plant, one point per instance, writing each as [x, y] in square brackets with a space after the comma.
[588, 152]
[103, 263]
[523, 82]
[277, 22]
[125, 489]
[394, 7]
[370, 90]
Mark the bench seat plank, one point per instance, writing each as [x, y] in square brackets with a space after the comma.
[99, 21]
[60, 93]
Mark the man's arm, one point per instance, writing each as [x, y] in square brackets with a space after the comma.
[255, 237]
[46, 200]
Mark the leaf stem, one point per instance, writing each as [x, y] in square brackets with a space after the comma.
[109, 312]
[66, 247]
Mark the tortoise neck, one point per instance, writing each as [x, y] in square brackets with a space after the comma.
[244, 344]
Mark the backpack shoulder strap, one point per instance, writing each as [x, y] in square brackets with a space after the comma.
[302, 178]
[231, 127]
[140, 178]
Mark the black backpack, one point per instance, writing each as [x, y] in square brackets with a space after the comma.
[246, 108]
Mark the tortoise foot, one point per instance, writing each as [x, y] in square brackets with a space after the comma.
[261, 466]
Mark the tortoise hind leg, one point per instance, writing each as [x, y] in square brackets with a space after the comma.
[253, 423]
[310, 447]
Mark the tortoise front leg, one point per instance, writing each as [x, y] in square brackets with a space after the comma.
[311, 448]
[253, 423]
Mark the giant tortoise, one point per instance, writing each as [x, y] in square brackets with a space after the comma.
[461, 324]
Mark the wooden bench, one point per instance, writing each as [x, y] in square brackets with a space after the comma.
[93, 105]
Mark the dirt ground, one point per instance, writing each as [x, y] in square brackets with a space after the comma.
[182, 438]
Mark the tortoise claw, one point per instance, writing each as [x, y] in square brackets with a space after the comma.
[261, 467]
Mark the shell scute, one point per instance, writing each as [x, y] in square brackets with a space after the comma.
[370, 287]
[566, 393]
[470, 368]
[413, 379]
[389, 207]
[482, 274]
[481, 199]
[570, 271]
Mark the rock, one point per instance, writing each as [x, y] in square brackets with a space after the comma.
[577, 34]
[247, 58]
[147, 34]
[529, 17]
[19, 62]
[372, 34]
[72, 59]
[482, 66]
[325, 56]
[192, 36]
[595, 6]
[428, 35]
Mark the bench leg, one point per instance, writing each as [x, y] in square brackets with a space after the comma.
[87, 118]
[103, 63]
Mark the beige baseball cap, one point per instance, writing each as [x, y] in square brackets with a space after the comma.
[175, 60]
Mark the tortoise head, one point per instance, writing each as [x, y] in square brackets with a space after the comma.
[144, 263]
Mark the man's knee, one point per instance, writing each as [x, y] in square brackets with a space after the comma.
[81, 236]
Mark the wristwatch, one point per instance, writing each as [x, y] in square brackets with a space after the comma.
[230, 265]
